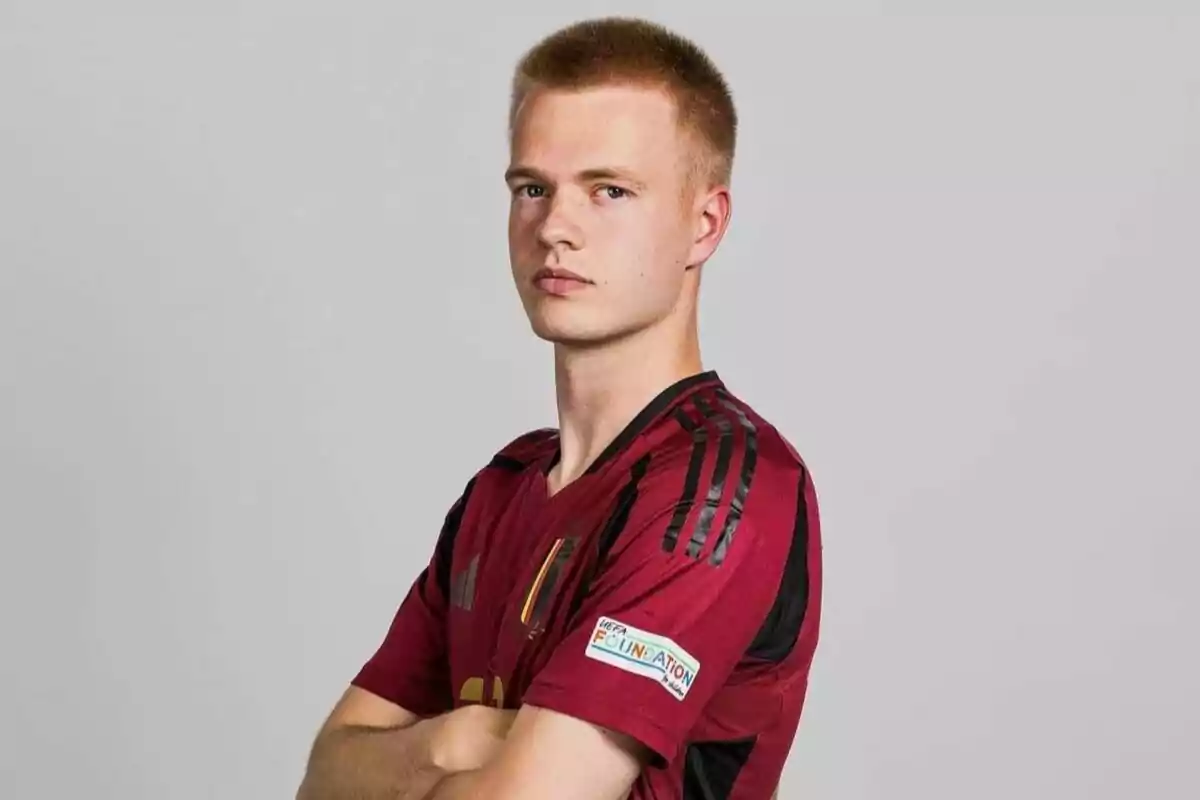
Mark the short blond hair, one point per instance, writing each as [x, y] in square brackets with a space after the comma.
[632, 51]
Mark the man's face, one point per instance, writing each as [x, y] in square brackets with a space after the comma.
[601, 224]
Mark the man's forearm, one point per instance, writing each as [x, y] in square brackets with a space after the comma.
[466, 786]
[460, 786]
[371, 764]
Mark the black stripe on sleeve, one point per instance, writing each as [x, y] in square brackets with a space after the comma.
[745, 478]
[691, 482]
[716, 485]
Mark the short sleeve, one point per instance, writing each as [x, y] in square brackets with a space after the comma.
[669, 616]
[409, 668]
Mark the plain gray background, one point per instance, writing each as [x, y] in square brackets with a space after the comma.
[256, 331]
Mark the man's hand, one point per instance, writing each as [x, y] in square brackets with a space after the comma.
[372, 749]
[468, 738]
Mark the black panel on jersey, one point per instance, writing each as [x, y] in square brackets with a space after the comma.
[444, 551]
[613, 527]
[623, 506]
[507, 463]
[711, 769]
[781, 629]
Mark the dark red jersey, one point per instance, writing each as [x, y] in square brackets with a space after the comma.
[672, 593]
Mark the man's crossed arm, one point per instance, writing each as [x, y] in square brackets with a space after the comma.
[551, 755]
[372, 750]
[690, 608]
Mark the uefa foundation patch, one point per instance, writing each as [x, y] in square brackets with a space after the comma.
[642, 653]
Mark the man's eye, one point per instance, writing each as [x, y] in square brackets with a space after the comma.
[614, 192]
[530, 190]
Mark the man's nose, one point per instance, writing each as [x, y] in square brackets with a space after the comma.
[560, 227]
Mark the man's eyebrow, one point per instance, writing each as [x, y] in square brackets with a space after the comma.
[611, 174]
[513, 173]
[596, 173]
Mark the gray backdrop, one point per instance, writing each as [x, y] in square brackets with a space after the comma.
[256, 331]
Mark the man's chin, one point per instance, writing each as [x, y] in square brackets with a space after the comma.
[572, 337]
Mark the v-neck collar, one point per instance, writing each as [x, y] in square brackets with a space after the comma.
[644, 418]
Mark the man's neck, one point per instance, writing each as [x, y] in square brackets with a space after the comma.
[600, 391]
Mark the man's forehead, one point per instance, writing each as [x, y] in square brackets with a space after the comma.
[595, 117]
[588, 133]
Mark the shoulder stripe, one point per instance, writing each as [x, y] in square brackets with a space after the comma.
[651, 412]
[720, 422]
[524, 450]
[691, 482]
[684, 421]
[716, 485]
[507, 463]
[738, 505]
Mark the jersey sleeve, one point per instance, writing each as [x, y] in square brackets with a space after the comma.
[672, 611]
[409, 668]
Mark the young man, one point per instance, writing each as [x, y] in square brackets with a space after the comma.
[627, 605]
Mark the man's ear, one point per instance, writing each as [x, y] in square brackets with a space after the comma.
[713, 211]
